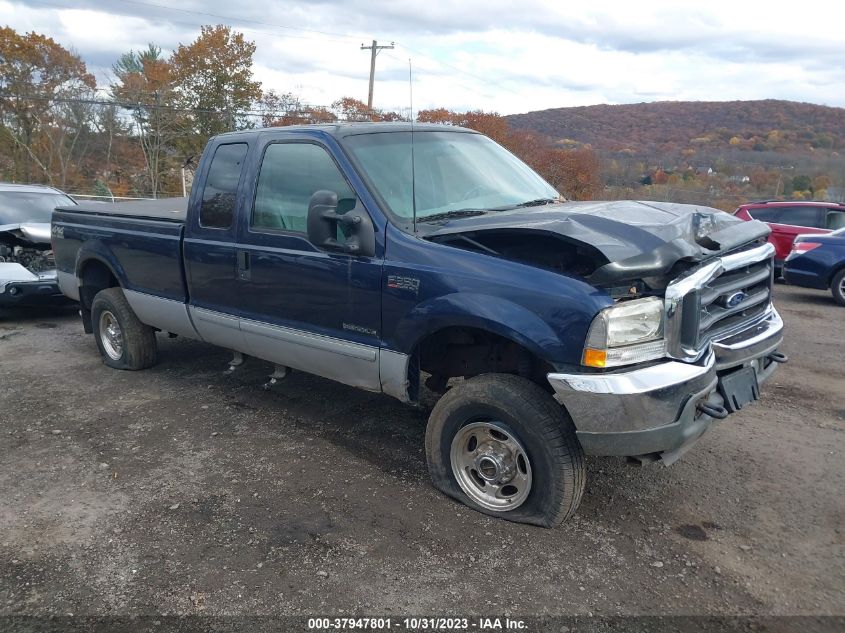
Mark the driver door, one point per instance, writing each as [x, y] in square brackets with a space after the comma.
[301, 307]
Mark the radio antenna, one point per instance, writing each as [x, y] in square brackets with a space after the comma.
[413, 164]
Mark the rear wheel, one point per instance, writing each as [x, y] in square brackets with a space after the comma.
[123, 341]
[503, 446]
[837, 287]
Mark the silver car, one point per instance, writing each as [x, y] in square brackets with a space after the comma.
[27, 269]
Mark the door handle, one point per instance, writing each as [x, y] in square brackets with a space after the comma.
[244, 272]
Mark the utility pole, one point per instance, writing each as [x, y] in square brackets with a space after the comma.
[374, 48]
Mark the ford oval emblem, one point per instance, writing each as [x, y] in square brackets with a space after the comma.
[735, 299]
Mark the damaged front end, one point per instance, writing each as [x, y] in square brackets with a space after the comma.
[626, 247]
[692, 332]
[27, 269]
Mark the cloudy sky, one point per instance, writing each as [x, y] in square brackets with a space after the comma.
[504, 56]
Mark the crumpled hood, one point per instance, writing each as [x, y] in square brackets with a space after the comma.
[35, 232]
[639, 239]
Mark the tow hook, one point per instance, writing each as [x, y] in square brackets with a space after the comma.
[778, 357]
[714, 411]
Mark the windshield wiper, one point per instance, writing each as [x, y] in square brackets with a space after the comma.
[539, 202]
[448, 215]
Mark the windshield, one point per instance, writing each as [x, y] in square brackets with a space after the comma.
[454, 172]
[30, 206]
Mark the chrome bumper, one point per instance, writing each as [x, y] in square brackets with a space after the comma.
[656, 409]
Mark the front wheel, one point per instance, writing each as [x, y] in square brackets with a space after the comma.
[837, 287]
[123, 341]
[503, 446]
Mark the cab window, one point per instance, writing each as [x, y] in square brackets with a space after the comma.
[221, 186]
[290, 174]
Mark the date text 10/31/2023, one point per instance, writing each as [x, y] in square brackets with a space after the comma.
[418, 624]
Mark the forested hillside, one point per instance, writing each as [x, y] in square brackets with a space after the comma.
[770, 125]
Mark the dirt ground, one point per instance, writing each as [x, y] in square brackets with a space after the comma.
[181, 490]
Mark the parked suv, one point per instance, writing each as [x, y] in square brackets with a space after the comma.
[789, 219]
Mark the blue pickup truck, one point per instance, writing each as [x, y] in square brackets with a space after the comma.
[392, 256]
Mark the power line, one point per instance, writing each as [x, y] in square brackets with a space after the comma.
[302, 109]
[326, 34]
[464, 86]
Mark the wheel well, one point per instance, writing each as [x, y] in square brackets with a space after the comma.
[465, 352]
[94, 276]
[833, 273]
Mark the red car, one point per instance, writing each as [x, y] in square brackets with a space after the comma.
[789, 219]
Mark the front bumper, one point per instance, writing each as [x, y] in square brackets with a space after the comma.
[657, 410]
[31, 290]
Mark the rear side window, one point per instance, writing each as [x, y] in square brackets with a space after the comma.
[221, 186]
[290, 174]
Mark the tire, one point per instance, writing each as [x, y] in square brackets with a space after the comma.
[540, 452]
[123, 341]
[837, 287]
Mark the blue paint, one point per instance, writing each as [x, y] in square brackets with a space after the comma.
[816, 268]
[409, 289]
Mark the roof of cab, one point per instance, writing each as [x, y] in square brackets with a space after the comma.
[341, 130]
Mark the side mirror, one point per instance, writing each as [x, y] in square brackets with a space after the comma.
[324, 220]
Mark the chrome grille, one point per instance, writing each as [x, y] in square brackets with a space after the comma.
[718, 299]
[733, 298]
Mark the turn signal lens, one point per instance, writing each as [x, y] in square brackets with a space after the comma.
[595, 357]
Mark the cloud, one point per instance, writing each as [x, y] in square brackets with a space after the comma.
[486, 54]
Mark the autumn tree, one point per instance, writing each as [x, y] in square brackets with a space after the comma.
[275, 107]
[40, 124]
[489, 123]
[145, 86]
[278, 110]
[213, 79]
[351, 109]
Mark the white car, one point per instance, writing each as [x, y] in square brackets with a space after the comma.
[27, 269]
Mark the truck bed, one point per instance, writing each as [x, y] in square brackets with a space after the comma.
[168, 209]
[140, 242]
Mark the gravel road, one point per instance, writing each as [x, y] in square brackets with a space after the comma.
[182, 490]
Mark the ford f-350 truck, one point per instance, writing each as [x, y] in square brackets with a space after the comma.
[382, 255]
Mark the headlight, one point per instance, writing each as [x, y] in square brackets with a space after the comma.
[629, 332]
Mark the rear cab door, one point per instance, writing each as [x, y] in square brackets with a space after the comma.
[299, 306]
[210, 244]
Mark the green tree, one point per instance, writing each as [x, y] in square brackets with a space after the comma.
[802, 183]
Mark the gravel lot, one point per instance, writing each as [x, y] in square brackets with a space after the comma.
[182, 490]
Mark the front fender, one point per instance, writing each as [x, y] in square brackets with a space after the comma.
[497, 316]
